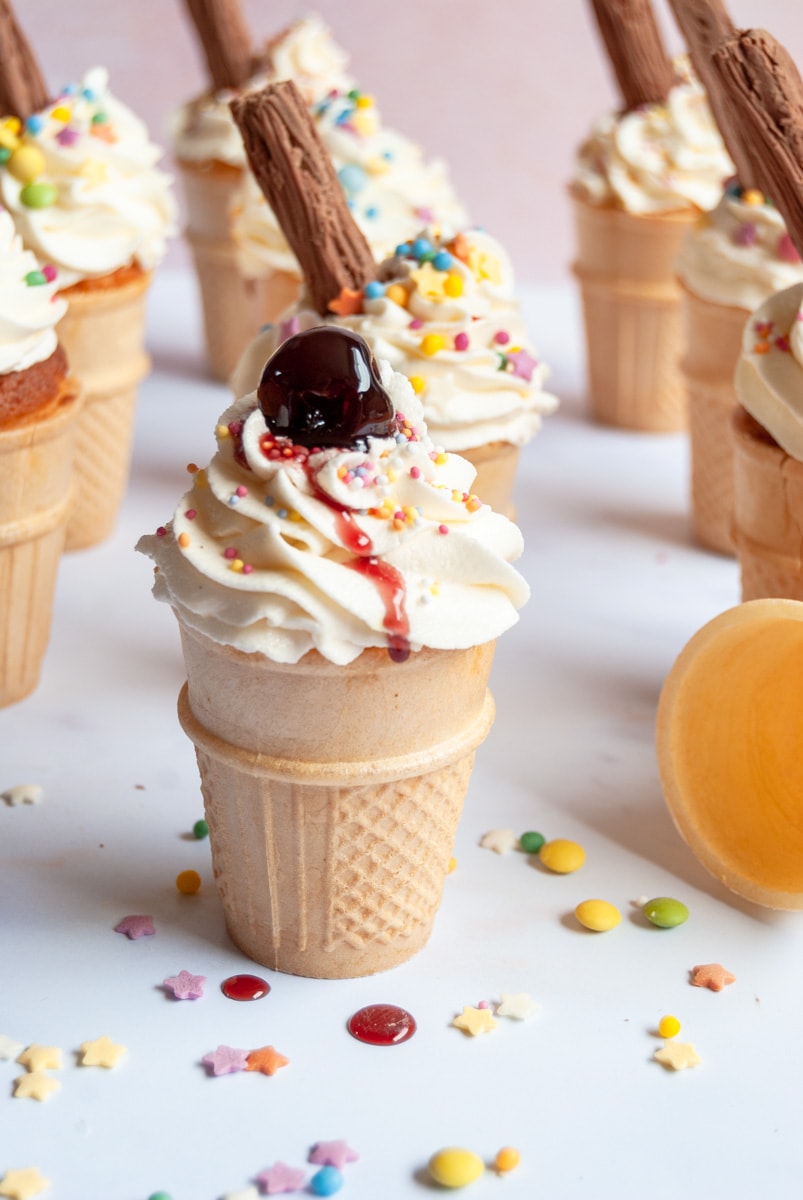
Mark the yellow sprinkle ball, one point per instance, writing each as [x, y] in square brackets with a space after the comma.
[453, 285]
[26, 163]
[669, 1027]
[237, 564]
[398, 294]
[418, 384]
[184, 540]
[598, 915]
[431, 343]
[364, 101]
[752, 196]
[457, 496]
[223, 431]
[507, 1159]
[562, 856]
[295, 516]
[452, 864]
[61, 113]
[440, 459]
[8, 139]
[188, 882]
[13, 123]
[392, 475]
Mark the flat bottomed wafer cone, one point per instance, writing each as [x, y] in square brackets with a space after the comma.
[36, 494]
[631, 305]
[496, 466]
[103, 333]
[767, 513]
[713, 337]
[233, 307]
[333, 795]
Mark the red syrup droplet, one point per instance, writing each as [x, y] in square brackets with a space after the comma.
[382, 1025]
[390, 584]
[244, 987]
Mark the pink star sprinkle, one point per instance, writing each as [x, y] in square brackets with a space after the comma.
[523, 364]
[713, 976]
[185, 986]
[226, 1060]
[332, 1154]
[281, 1178]
[136, 927]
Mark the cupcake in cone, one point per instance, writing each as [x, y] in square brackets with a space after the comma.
[642, 177]
[39, 409]
[81, 183]
[765, 90]
[246, 271]
[444, 313]
[339, 590]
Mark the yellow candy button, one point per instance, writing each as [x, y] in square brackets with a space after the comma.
[188, 882]
[454, 1168]
[729, 732]
[598, 915]
[26, 163]
[562, 856]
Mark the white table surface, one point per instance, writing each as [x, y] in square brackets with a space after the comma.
[617, 591]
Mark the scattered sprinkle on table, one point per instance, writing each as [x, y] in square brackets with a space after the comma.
[40, 1058]
[531, 842]
[562, 856]
[226, 1060]
[382, 1025]
[713, 976]
[326, 1182]
[677, 1056]
[20, 1183]
[101, 1052]
[665, 913]
[333, 1154]
[267, 1060]
[23, 793]
[668, 1027]
[200, 830]
[9, 1048]
[36, 1085]
[507, 1159]
[501, 841]
[455, 1167]
[474, 1021]
[244, 987]
[188, 882]
[246, 1193]
[135, 927]
[518, 1005]
[597, 915]
[185, 985]
[281, 1178]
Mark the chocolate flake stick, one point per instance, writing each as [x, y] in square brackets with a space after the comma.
[640, 62]
[704, 25]
[22, 86]
[763, 85]
[291, 165]
[225, 39]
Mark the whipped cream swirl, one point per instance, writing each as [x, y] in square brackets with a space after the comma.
[769, 374]
[29, 307]
[280, 550]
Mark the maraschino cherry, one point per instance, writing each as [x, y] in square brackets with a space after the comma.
[322, 388]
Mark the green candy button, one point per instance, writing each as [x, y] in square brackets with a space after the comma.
[39, 195]
[531, 842]
[665, 912]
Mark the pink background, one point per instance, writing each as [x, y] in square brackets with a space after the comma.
[503, 91]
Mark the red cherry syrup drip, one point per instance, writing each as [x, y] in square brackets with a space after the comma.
[382, 1025]
[390, 585]
[244, 987]
[322, 388]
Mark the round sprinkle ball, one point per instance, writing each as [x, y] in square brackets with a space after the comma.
[160, 1196]
[507, 1159]
[562, 856]
[452, 864]
[669, 1027]
[665, 912]
[597, 915]
[188, 882]
[326, 1182]
[38, 195]
[26, 163]
[200, 829]
[531, 842]
[454, 1167]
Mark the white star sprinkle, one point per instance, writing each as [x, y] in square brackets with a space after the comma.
[501, 841]
[23, 793]
[518, 1005]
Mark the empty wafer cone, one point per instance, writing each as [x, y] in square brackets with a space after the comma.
[333, 795]
[631, 305]
[713, 340]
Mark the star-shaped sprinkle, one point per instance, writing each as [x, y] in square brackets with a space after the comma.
[136, 927]
[713, 976]
[332, 1154]
[20, 1183]
[523, 364]
[40, 1058]
[281, 1178]
[185, 986]
[23, 793]
[347, 303]
[501, 841]
[267, 1060]
[483, 265]
[518, 1005]
[225, 1060]
[677, 1056]
[429, 281]
[101, 1052]
[36, 1085]
[247, 1193]
[475, 1021]
[9, 1048]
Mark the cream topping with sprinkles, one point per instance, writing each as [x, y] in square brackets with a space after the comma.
[769, 374]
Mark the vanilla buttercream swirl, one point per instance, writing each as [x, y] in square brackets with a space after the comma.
[739, 254]
[110, 204]
[658, 158]
[280, 553]
[769, 374]
[484, 383]
[29, 307]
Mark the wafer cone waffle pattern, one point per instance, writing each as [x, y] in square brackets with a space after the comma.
[104, 335]
[768, 514]
[713, 337]
[333, 867]
[631, 307]
[35, 499]
[496, 465]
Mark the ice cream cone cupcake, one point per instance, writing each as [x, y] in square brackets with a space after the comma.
[39, 409]
[82, 186]
[641, 179]
[247, 273]
[765, 90]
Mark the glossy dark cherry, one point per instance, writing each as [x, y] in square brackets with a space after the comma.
[382, 1025]
[244, 987]
[322, 388]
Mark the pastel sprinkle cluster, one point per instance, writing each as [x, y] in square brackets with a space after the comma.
[765, 339]
[747, 232]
